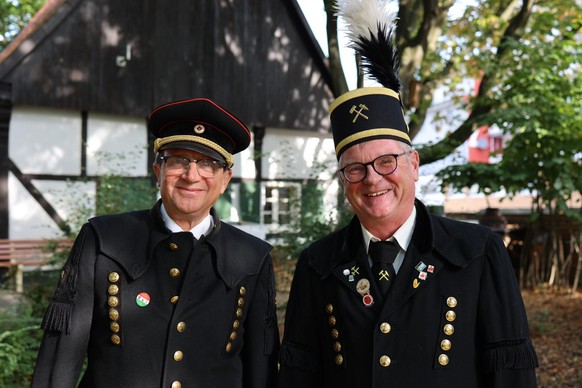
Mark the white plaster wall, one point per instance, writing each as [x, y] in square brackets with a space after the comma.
[117, 145]
[45, 141]
[28, 220]
[291, 154]
[244, 164]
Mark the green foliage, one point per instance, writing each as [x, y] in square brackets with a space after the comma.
[540, 107]
[117, 194]
[14, 15]
[19, 342]
[18, 349]
[311, 223]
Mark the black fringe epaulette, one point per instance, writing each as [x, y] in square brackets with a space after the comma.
[271, 338]
[59, 313]
[517, 354]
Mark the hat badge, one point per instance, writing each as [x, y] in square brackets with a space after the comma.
[199, 128]
[357, 112]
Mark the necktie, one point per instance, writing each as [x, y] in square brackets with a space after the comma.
[383, 254]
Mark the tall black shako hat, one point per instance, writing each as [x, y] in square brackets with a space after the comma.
[370, 113]
[201, 125]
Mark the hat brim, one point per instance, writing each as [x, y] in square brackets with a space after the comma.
[188, 145]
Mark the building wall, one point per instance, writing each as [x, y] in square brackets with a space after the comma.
[62, 152]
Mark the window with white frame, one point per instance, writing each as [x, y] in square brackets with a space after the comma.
[280, 203]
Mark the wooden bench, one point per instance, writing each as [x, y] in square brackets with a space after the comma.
[15, 255]
[30, 252]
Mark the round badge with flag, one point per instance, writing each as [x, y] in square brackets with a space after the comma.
[142, 299]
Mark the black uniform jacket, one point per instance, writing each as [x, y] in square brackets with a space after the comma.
[454, 316]
[151, 308]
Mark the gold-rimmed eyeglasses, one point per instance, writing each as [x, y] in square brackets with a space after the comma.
[206, 168]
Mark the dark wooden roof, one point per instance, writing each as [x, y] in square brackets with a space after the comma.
[257, 57]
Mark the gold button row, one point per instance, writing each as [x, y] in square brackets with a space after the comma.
[385, 360]
[113, 302]
[178, 354]
[238, 313]
[448, 329]
[337, 346]
[174, 272]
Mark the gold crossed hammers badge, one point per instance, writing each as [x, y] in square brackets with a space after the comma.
[358, 112]
[384, 275]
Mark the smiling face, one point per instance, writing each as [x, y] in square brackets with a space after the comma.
[381, 202]
[188, 197]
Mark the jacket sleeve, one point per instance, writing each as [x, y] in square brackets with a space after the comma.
[67, 321]
[300, 356]
[507, 352]
[261, 344]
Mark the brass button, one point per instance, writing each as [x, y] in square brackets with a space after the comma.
[449, 329]
[334, 334]
[329, 308]
[240, 302]
[232, 336]
[113, 289]
[443, 359]
[451, 302]
[446, 344]
[339, 359]
[236, 324]
[337, 346]
[113, 314]
[115, 339]
[114, 326]
[113, 277]
[385, 361]
[178, 355]
[174, 299]
[112, 301]
[332, 320]
[239, 312]
[228, 347]
[181, 327]
[242, 291]
[385, 327]
[450, 315]
[174, 272]
[176, 384]
[173, 247]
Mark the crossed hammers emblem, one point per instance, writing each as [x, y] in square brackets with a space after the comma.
[384, 275]
[358, 112]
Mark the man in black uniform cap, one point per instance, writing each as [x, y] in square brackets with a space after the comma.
[452, 313]
[168, 297]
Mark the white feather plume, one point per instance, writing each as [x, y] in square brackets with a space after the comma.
[362, 17]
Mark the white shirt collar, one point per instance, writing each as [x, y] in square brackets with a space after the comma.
[202, 228]
[402, 236]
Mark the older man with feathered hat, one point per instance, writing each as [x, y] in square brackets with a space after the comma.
[400, 297]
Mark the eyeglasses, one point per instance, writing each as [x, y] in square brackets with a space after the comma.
[206, 168]
[383, 165]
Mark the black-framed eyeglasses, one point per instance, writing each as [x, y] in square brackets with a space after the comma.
[383, 165]
[206, 168]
